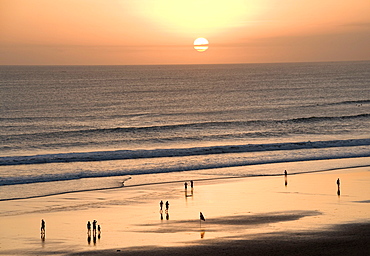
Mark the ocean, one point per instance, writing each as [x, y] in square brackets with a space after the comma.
[65, 129]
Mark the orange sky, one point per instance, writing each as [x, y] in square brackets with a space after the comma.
[125, 32]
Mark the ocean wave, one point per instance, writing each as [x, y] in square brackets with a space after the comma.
[176, 152]
[181, 126]
[19, 180]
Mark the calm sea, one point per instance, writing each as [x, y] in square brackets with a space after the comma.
[70, 128]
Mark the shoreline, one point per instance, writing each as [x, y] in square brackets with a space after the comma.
[242, 214]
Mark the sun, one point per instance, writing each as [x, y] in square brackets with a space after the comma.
[201, 44]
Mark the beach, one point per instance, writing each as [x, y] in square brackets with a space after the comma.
[299, 214]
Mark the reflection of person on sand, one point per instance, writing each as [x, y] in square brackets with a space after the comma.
[202, 233]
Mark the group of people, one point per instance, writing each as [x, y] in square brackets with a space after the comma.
[94, 228]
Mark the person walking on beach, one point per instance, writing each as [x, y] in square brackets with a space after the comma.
[191, 184]
[167, 205]
[161, 205]
[186, 185]
[42, 226]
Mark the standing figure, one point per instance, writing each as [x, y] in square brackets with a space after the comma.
[201, 217]
[191, 184]
[42, 226]
[94, 227]
[338, 184]
[286, 178]
[88, 227]
[167, 205]
[161, 205]
[186, 185]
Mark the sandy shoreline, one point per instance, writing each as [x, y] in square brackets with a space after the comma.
[255, 216]
[346, 239]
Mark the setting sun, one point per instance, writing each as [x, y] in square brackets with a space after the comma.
[201, 44]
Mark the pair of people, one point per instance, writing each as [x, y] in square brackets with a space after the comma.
[94, 225]
[191, 185]
[161, 205]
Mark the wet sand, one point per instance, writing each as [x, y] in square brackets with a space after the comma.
[244, 216]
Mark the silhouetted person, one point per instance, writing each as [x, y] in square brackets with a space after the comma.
[167, 205]
[94, 227]
[99, 229]
[186, 185]
[42, 226]
[202, 217]
[338, 184]
[286, 178]
[88, 227]
[161, 205]
[191, 184]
